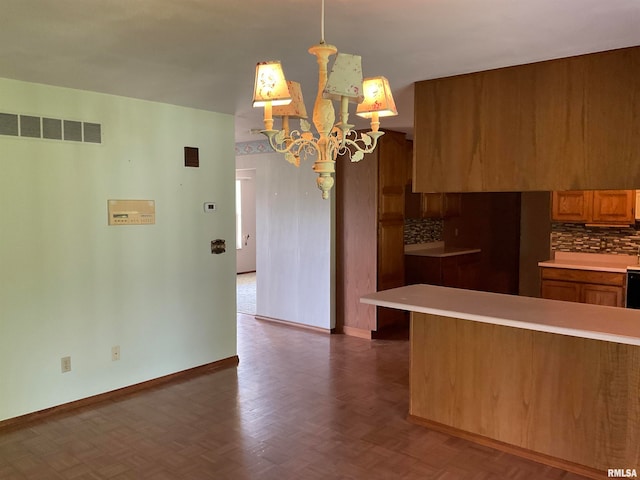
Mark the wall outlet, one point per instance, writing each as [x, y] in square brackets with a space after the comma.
[65, 364]
[115, 353]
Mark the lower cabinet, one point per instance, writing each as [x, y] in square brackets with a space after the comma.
[457, 271]
[584, 286]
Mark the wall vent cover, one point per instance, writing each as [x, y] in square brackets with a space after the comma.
[191, 157]
[52, 128]
[8, 124]
[72, 131]
[30, 126]
[92, 133]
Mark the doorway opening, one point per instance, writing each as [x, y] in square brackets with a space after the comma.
[246, 274]
[246, 293]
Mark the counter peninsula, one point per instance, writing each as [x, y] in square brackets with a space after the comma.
[557, 382]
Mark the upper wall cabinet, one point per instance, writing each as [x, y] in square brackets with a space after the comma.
[565, 124]
[431, 205]
[607, 207]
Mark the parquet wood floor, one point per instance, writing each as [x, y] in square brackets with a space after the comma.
[300, 405]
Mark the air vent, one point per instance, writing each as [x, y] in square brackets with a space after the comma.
[30, 126]
[8, 124]
[92, 133]
[191, 157]
[52, 128]
[72, 131]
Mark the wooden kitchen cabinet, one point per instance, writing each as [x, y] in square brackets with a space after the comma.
[607, 207]
[427, 205]
[614, 206]
[571, 123]
[456, 271]
[440, 205]
[431, 205]
[408, 163]
[603, 295]
[370, 235]
[584, 286]
[572, 206]
[561, 290]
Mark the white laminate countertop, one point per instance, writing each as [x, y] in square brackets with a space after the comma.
[437, 249]
[611, 324]
[592, 261]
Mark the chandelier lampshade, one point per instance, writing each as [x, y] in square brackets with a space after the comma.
[377, 99]
[345, 79]
[296, 108]
[270, 86]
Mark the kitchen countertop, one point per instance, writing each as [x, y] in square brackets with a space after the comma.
[437, 249]
[619, 325]
[592, 261]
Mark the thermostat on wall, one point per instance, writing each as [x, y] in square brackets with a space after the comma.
[132, 212]
[209, 207]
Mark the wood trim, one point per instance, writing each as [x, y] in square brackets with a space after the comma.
[293, 324]
[356, 332]
[507, 448]
[121, 392]
[356, 238]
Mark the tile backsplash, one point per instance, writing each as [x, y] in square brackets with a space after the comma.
[422, 230]
[572, 237]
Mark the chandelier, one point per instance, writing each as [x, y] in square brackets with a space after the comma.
[282, 98]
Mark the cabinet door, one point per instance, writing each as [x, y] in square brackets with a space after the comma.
[603, 295]
[613, 206]
[452, 205]
[559, 290]
[572, 206]
[412, 203]
[432, 205]
[440, 205]
[461, 271]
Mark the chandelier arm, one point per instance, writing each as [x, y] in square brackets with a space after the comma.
[358, 146]
[291, 144]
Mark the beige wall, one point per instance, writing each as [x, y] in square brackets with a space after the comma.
[71, 285]
[294, 235]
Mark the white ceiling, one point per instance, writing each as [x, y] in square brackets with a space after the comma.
[202, 53]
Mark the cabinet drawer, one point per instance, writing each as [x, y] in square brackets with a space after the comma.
[584, 276]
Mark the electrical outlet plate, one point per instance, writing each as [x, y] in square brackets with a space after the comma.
[65, 364]
[115, 353]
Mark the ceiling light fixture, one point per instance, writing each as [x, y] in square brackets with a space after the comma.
[282, 98]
